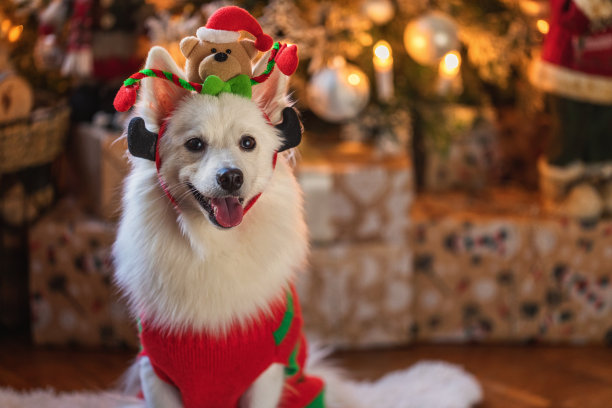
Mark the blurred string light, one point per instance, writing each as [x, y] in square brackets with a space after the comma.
[449, 81]
[379, 11]
[450, 64]
[9, 31]
[14, 33]
[543, 26]
[383, 66]
[5, 26]
[354, 79]
[382, 50]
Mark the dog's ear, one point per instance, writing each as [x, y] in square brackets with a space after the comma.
[271, 95]
[158, 96]
[261, 64]
[291, 129]
[141, 142]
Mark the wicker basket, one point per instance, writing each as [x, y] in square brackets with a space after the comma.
[34, 141]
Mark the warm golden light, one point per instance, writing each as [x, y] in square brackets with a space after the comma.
[383, 57]
[450, 64]
[543, 26]
[383, 65]
[14, 33]
[354, 79]
[382, 50]
[419, 42]
[6, 24]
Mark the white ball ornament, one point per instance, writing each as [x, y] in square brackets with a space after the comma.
[339, 92]
[429, 37]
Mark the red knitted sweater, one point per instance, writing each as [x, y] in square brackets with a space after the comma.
[215, 371]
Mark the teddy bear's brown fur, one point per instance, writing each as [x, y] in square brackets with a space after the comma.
[225, 60]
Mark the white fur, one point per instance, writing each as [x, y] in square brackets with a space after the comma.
[428, 384]
[177, 268]
[266, 391]
[157, 393]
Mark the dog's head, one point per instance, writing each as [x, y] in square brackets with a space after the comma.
[216, 154]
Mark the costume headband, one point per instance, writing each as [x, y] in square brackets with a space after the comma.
[281, 54]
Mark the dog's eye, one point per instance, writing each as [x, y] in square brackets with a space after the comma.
[213, 50]
[228, 51]
[247, 143]
[195, 145]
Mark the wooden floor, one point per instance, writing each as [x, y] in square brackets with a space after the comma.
[512, 376]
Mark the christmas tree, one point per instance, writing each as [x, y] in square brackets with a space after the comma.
[383, 72]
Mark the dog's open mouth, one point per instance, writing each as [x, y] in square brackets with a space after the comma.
[226, 212]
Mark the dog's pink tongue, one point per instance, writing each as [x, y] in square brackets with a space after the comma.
[228, 211]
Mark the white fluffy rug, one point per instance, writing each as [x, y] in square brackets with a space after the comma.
[424, 385]
[50, 399]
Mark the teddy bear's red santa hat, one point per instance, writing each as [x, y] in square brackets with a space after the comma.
[225, 24]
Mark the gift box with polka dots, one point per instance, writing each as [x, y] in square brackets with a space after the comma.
[497, 268]
[72, 297]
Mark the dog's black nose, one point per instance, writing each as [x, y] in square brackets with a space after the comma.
[230, 179]
[220, 56]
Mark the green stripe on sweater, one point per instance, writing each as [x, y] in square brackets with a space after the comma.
[318, 402]
[293, 367]
[283, 329]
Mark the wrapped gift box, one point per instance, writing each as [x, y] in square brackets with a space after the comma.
[353, 194]
[358, 295]
[494, 267]
[460, 147]
[566, 295]
[102, 163]
[466, 270]
[73, 299]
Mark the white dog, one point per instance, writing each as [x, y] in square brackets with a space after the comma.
[196, 264]
[201, 264]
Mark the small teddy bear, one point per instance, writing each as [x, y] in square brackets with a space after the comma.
[217, 50]
[217, 60]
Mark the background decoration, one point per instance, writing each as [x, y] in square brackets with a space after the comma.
[383, 65]
[449, 70]
[16, 96]
[429, 37]
[283, 20]
[574, 70]
[379, 11]
[387, 128]
[338, 92]
[79, 57]
[461, 151]
[167, 30]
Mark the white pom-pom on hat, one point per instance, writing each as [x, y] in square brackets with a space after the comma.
[226, 23]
